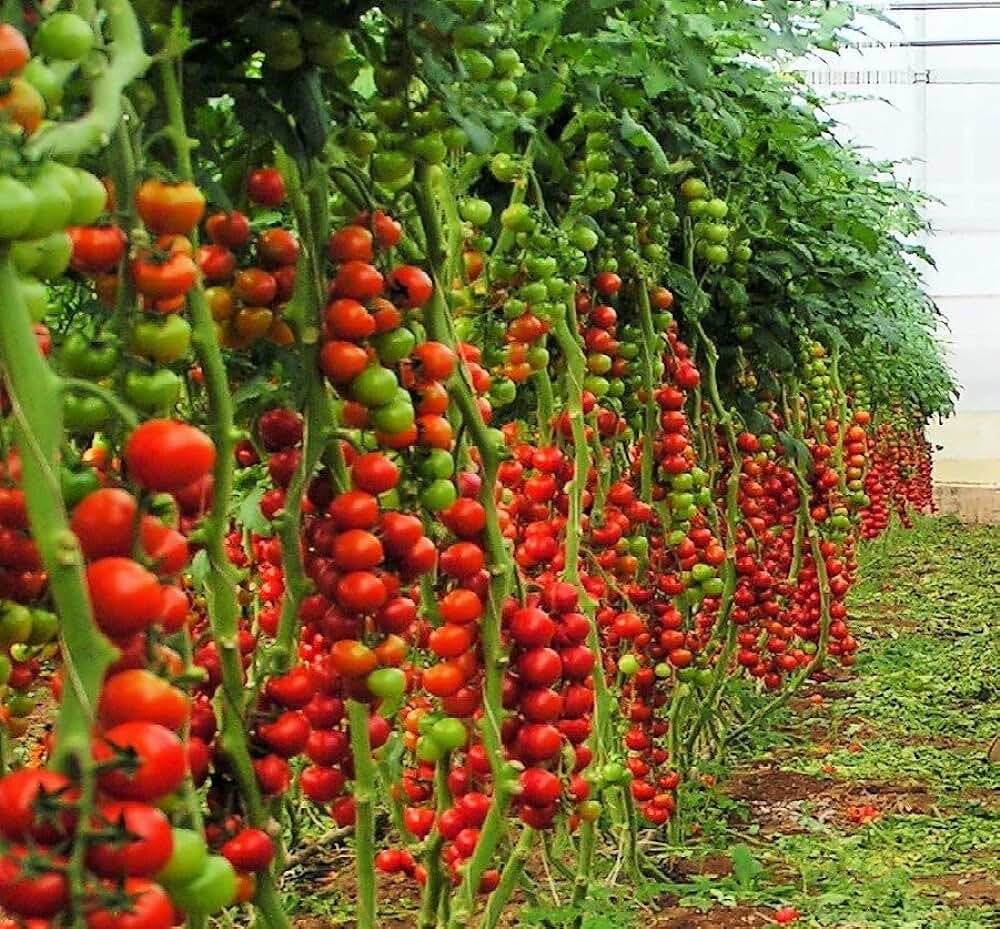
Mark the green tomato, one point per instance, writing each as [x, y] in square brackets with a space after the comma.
[517, 218]
[64, 37]
[478, 65]
[187, 860]
[394, 417]
[394, 346]
[89, 200]
[35, 296]
[702, 572]
[15, 623]
[40, 76]
[713, 587]
[437, 465]
[475, 211]
[84, 414]
[53, 207]
[91, 358]
[504, 168]
[743, 253]
[662, 670]
[375, 386]
[455, 137]
[438, 495]
[46, 257]
[386, 683]
[211, 890]
[716, 233]
[504, 91]
[392, 167]
[449, 733]
[694, 189]
[165, 341]
[431, 148]
[76, 485]
[17, 207]
[359, 142]
[628, 665]
[597, 385]
[508, 62]
[717, 254]
[717, 209]
[538, 357]
[503, 392]
[614, 772]
[584, 238]
[155, 392]
[428, 750]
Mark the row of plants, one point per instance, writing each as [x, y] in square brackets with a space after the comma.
[457, 420]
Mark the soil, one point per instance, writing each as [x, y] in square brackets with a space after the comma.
[738, 917]
[975, 889]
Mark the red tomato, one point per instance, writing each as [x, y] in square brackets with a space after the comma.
[266, 186]
[249, 850]
[142, 847]
[409, 286]
[28, 796]
[126, 598]
[166, 455]
[229, 229]
[277, 248]
[352, 243]
[149, 907]
[138, 695]
[158, 765]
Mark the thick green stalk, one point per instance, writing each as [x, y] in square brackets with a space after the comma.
[509, 879]
[364, 804]
[34, 393]
[436, 877]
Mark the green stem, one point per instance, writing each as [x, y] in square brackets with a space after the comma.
[36, 406]
[509, 879]
[364, 803]
[649, 342]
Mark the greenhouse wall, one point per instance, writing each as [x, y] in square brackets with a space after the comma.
[926, 92]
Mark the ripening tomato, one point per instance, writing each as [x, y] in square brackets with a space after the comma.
[174, 208]
[277, 248]
[167, 455]
[14, 51]
[166, 278]
[159, 763]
